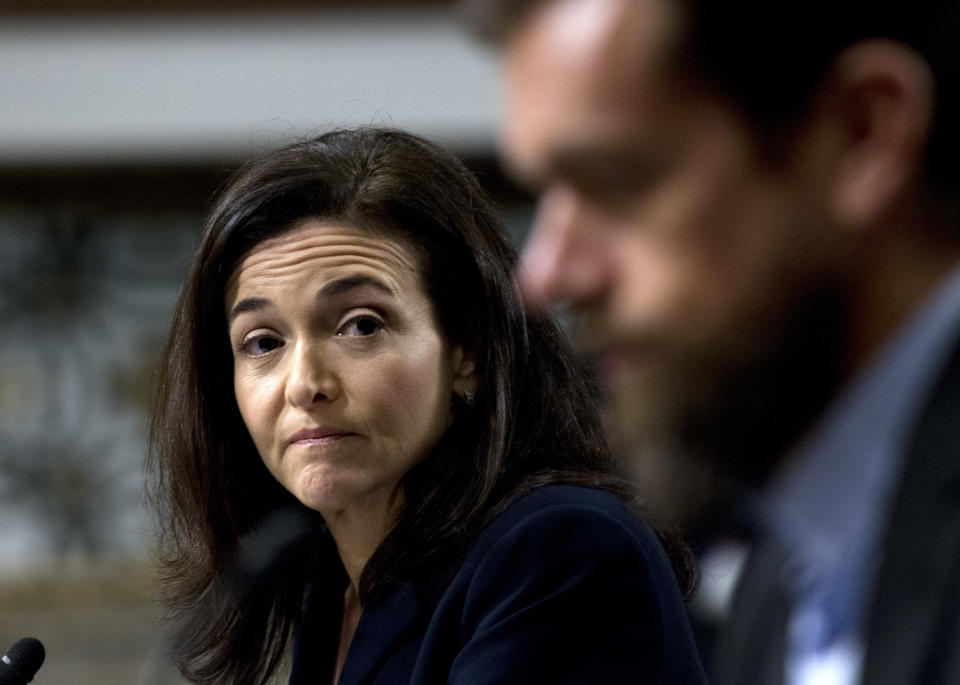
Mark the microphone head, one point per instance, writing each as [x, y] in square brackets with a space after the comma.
[22, 661]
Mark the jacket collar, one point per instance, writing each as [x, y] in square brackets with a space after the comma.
[381, 629]
[922, 547]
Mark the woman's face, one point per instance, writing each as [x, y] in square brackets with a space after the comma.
[340, 373]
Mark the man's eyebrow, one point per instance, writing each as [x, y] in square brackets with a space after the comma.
[577, 165]
[250, 304]
[593, 164]
[341, 286]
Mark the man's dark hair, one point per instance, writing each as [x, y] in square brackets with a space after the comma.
[769, 57]
[535, 419]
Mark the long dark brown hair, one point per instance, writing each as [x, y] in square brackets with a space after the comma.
[535, 419]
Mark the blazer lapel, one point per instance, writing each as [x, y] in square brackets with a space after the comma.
[381, 627]
[751, 646]
[921, 549]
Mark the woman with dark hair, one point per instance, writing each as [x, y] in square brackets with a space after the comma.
[349, 346]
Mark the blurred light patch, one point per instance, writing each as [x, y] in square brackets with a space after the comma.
[210, 86]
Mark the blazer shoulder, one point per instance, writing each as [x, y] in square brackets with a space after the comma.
[577, 583]
[551, 510]
[575, 537]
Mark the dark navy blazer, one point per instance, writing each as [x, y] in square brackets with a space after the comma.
[566, 586]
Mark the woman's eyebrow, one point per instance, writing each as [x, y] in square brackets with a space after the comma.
[250, 304]
[341, 286]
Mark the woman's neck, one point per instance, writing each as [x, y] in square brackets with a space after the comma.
[359, 531]
[352, 610]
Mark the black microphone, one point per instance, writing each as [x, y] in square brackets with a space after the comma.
[22, 661]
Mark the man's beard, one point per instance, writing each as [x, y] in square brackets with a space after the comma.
[737, 405]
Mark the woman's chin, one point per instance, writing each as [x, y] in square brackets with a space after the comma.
[324, 496]
[335, 495]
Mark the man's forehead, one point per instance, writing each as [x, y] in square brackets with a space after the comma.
[620, 34]
[579, 70]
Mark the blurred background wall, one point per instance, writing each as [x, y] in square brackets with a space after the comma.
[118, 121]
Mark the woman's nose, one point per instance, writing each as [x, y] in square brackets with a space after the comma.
[562, 260]
[311, 378]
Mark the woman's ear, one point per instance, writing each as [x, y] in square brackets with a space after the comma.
[880, 94]
[464, 369]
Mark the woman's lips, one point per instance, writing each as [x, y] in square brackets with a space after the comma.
[318, 436]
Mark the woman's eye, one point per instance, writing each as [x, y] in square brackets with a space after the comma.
[261, 345]
[360, 326]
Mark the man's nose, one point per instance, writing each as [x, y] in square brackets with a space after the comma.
[563, 258]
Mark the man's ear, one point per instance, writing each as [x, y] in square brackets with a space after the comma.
[464, 368]
[881, 94]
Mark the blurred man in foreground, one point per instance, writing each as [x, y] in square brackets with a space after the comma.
[751, 209]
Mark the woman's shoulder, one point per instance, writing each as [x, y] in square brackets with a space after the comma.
[575, 580]
[561, 495]
[570, 526]
[548, 506]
